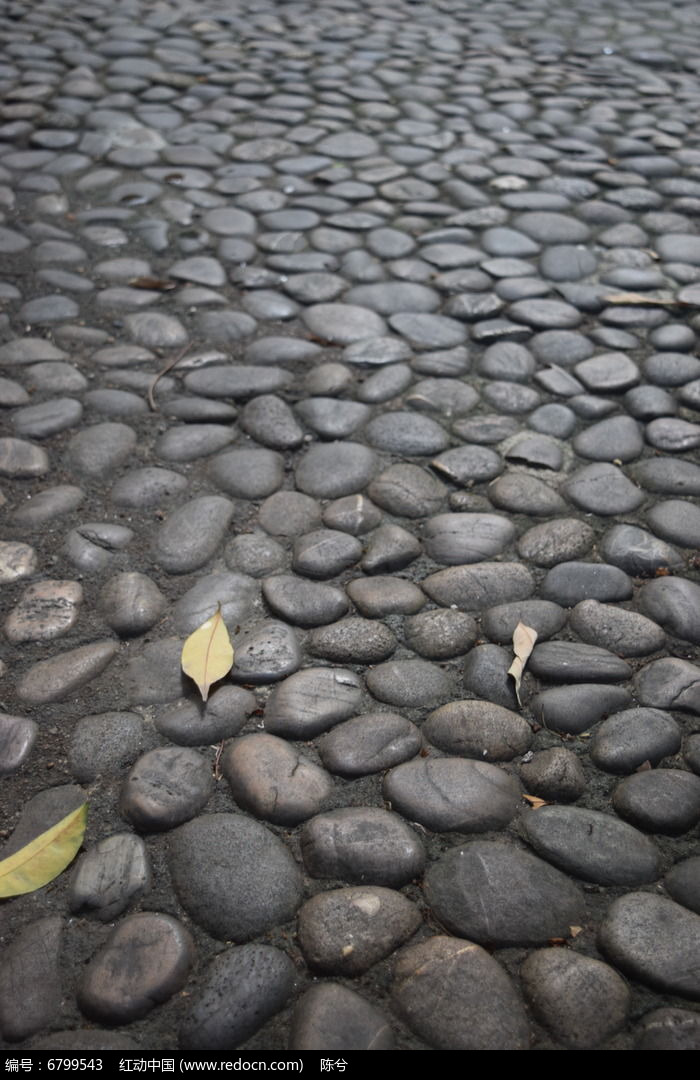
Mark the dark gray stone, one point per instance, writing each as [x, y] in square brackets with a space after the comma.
[522, 493]
[334, 1020]
[354, 514]
[248, 473]
[556, 541]
[453, 795]
[99, 450]
[273, 781]
[255, 554]
[485, 675]
[188, 442]
[474, 588]
[663, 801]
[628, 739]
[555, 775]
[602, 489]
[353, 641]
[289, 513]
[407, 491]
[624, 632]
[267, 653]
[31, 985]
[192, 534]
[369, 743]
[559, 661]
[154, 675]
[194, 723]
[410, 683]
[441, 634]
[669, 683]
[62, 675]
[303, 603]
[683, 883]
[573, 709]
[131, 603]
[235, 595]
[110, 876]
[105, 743]
[670, 1029]
[468, 465]
[478, 729]
[637, 552]
[331, 470]
[390, 547]
[676, 521]
[270, 421]
[569, 583]
[325, 553]
[456, 539]
[165, 787]
[145, 487]
[363, 845]
[543, 616]
[311, 701]
[404, 433]
[378, 596]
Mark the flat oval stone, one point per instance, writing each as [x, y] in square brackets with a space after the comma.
[570, 583]
[379, 596]
[481, 1008]
[559, 661]
[188, 442]
[474, 588]
[555, 774]
[272, 780]
[493, 893]
[441, 634]
[31, 986]
[543, 616]
[663, 801]
[624, 632]
[352, 513]
[617, 437]
[47, 418]
[521, 493]
[17, 737]
[166, 786]
[343, 324]
[557, 541]
[669, 684]
[365, 845]
[235, 594]
[311, 701]
[353, 641]
[582, 1001]
[49, 504]
[369, 743]
[406, 434]
[456, 539]
[573, 709]
[325, 553]
[192, 534]
[99, 450]
[670, 1029]
[248, 474]
[478, 729]
[332, 1019]
[683, 883]
[637, 552]
[467, 465]
[154, 675]
[46, 610]
[193, 723]
[110, 876]
[161, 952]
[105, 743]
[428, 331]
[648, 937]
[131, 603]
[346, 931]
[450, 794]
[266, 654]
[592, 846]
[270, 421]
[62, 675]
[22, 459]
[407, 491]
[289, 513]
[330, 470]
[628, 739]
[147, 487]
[303, 603]
[409, 683]
[675, 603]
[255, 554]
[602, 489]
[240, 990]
[233, 876]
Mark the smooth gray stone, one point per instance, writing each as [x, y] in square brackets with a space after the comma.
[257, 887]
[154, 675]
[444, 397]
[343, 324]
[378, 596]
[618, 437]
[354, 514]
[608, 373]
[331, 418]
[17, 737]
[62, 675]
[467, 465]
[48, 504]
[273, 781]
[536, 451]
[556, 541]
[474, 588]
[29, 350]
[255, 554]
[582, 1001]
[628, 739]
[521, 493]
[648, 937]
[672, 434]
[363, 845]
[31, 983]
[22, 459]
[406, 433]
[92, 546]
[242, 988]
[407, 491]
[569, 583]
[456, 539]
[440, 634]
[560, 661]
[110, 876]
[267, 653]
[391, 297]
[602, 489]
[492, 893]
[450, 794]
[668, 476]
[385, 384]
[311, 701]
[324, 553]
[303, 603]
[352, 641]
[544, 617]
[248, 473]
[347, 931]
[131, 603]
[510, 397]
[165, 787]
[592, 846]
[237, 381]
[192, 534]
[331, 470]
[625, 633]
[485, 674]
[377, 351]
[235, 595]
[676, 521]
[99, 450]
[409, 683]
[47, 418]
[507, 360]
[144, 962]
[146, 487]
[573, 709]
[289, 513]
[194, 723]
[105, 743]
[682, 882]
[555, 774]
[478, 729]
[669, 684]
[117, 403]
[663, 801]
[332, 1019]
[225, 327]
[369, 744]
[270, 421]
[481, 1008]
[637, 552]
[670, 1029]
[188, 442]
[671, 368]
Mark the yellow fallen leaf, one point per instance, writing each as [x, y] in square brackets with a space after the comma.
[207, 655]
[45, 857]
[524, 638]
[535, 801]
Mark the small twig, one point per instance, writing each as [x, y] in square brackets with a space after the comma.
[164, 371]
[217, 760]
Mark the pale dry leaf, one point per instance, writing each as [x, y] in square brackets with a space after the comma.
[534, 801]
[207, 655]
[524, 638]
[43, 859]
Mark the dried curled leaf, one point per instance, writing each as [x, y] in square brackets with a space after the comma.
[534, 801]
[43, 859]
[524, 638]
[207, 655]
